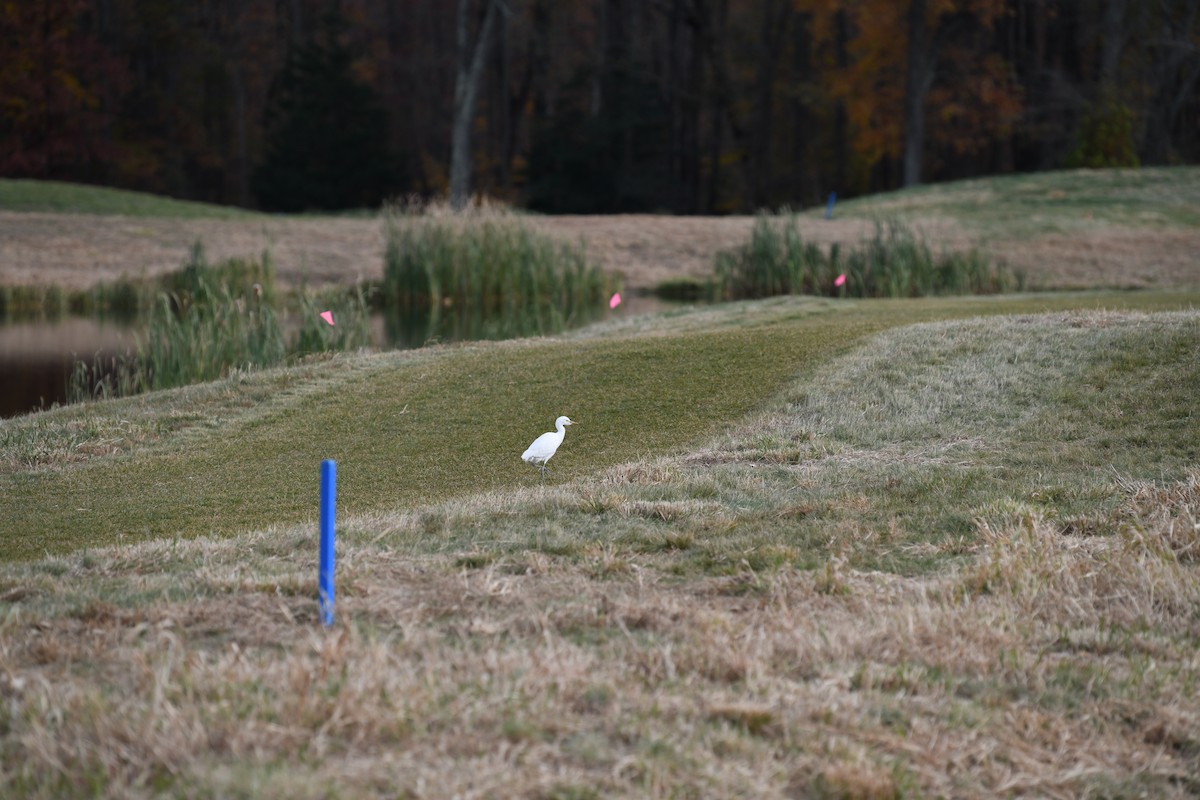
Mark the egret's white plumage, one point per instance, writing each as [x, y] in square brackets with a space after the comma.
[546, 445]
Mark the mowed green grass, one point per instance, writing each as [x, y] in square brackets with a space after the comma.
[411, 429]
[73, 198]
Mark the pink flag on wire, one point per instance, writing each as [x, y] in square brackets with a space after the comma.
[615, 300]
[840, 280]
[327, 316]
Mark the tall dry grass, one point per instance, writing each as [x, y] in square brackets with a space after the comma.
[1046, 664]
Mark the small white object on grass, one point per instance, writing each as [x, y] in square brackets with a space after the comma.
[546, 445]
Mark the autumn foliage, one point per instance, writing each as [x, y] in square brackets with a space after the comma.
[689, 106]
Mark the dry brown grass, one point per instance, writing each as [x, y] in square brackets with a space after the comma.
[1046, 664]
[79, 251]
[1075, 229]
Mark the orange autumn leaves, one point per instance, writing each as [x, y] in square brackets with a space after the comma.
[974, 96]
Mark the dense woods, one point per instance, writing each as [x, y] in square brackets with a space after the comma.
[685, 106]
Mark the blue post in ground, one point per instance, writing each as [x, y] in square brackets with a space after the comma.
[829, 205]
[325, 572]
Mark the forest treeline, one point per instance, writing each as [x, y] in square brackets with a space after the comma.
[685, 106]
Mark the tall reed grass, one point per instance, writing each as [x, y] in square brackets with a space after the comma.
[30, 300]
[213, 319]
[483, 277]
[128, 297]
[895, 262]
[124, 298]
[352, 322]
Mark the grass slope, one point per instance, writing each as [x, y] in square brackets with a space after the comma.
[1011, 206]
[413, 428]
[707, 619]
[73, 198]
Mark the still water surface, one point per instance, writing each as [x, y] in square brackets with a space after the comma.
[36, 357]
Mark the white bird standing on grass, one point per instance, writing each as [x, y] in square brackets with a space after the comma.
[546, 445]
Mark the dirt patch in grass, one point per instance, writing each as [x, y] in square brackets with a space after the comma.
[80, 250]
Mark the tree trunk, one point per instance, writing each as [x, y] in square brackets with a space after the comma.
[242, 160]
[466, 94]
[841, 120]
[1112, 42]
[763, 166]
[915, 89]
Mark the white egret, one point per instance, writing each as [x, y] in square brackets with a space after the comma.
[546, 445]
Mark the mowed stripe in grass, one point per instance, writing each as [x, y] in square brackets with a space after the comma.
[408, 434]
[414, 430]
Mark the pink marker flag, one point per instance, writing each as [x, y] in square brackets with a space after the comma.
[327, 316]
[840, 280]
[615, 300]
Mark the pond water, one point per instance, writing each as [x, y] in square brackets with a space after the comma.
[37, 356]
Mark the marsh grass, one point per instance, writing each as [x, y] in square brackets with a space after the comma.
[30, 301]
[125, 298]
[209, 320]
[895, 262]
[352, 322]
[485, 276]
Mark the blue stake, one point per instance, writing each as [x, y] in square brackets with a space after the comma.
[829, 207]
[325, 573]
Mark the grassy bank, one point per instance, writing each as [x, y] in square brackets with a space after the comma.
[860, 558]
[413, 428]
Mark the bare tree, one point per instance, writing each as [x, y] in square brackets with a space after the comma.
[466, 95]
[918, 81]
